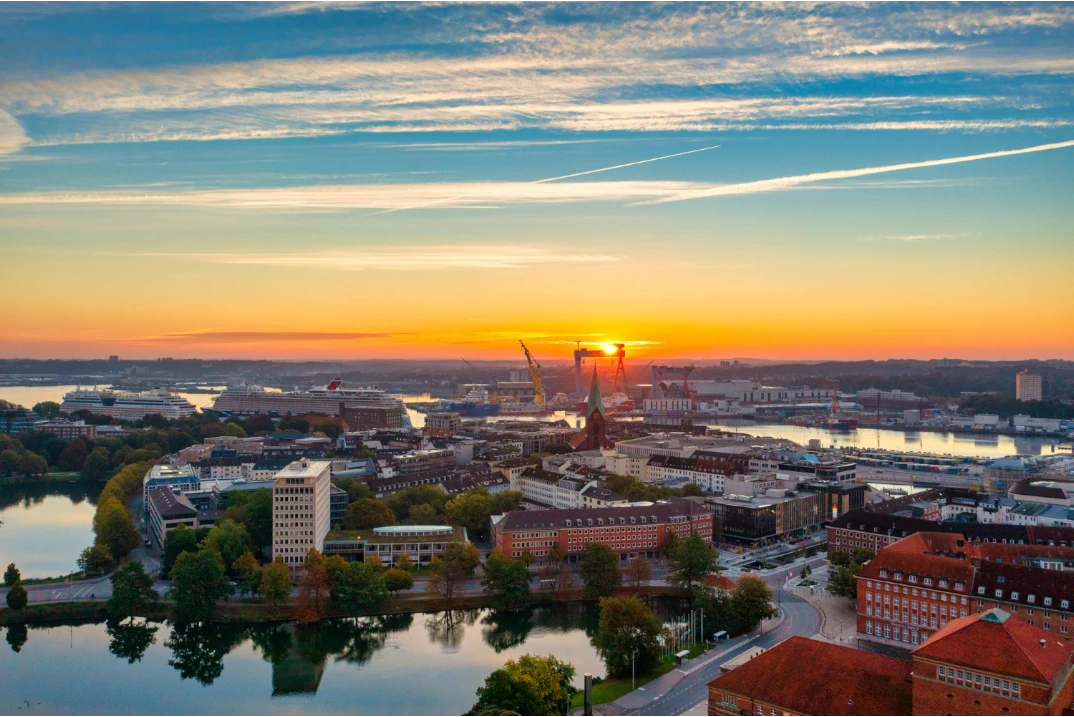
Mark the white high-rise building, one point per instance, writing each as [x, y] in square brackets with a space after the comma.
[301, 508]
[1028, 386]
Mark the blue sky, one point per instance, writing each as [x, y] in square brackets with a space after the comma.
[364, 150]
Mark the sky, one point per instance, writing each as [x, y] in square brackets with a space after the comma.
[325, 180]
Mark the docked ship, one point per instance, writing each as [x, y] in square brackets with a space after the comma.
[128, 405]
[330, 400]
[476, 402]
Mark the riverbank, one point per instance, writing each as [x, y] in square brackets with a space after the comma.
[58, 477]
[250, 611]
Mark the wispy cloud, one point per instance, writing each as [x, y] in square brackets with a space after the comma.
[410, 258]
[783, 183]
[12, 135]
[916, 237]
[237, 337]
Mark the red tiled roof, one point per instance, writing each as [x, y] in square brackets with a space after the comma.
[936, 566]
[818, 678]
[721, 582]
[996, 642]
[933, 543]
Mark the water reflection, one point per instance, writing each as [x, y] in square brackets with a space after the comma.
[44, 526]
[130, 640]
[17, 635]
[198, 651]
[447, 628]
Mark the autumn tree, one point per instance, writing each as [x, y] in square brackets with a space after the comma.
[639, 572]
[230, 539]
[248, 572]
[403, 562]
[275, 585]
[599, 570]
[313, 588]
[366, 514]
[530, 685]
[396, 580]
[96, 560]
[115, 529]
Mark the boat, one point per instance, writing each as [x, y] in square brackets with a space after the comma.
[842, 424]
[476, 402]
[128, 405]
[249, 399]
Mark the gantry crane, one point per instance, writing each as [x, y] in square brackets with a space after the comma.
[535, 376]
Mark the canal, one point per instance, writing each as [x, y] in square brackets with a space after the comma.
[405, 664]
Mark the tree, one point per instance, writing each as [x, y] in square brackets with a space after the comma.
[10, 462]
[115, 529]
[557, 555]
[691, 561]
[234, 429]
[599, 569]
[313, 588]
[31, 464]
[179, 540]
[230, 539]
[506, 582]
[276, 582]
[17, 596]
[248, 572]
[375, 561]
[843, 580]
[96, 560]
[366, 514]
[329, 426]
[447, 573]
[671, 542]
[470, 558]
[47, 409]
[97, 466]
[129, 641]
[356, 490]
[73, 455]
[752, 601]
[403, 562]
[254, 510]
[639, 572]
[692, 489]
[424, 514]
[840, 559]
[530, 685]
[628, 629]
[17, 635]
[396, 579]
[132, 591]
[470, 510]
[360, 587]
[12, 575]
[199, 581]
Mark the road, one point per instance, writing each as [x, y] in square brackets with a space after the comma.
[799, 618]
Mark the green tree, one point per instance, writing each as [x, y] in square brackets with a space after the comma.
[254, 510]
[366, 514]
[530, 685]
[10, 462]
[356, 490]
[752, 601]
[506, 582]
[470, 558]
[132, 591]
[691, 561]
[248, 572]
[199, 581]
[599, 570]
[843, 580]
[470, 510]
[97, 466]
[47, 409]
[96, 560]
[628, 628]
[31, 464]
[360, 587]
[115, 529]
[276, 583]
[234, 429]
[692, 489]
[177, 541]
[671, 542]
[230, 539]
[396, 580]
[447, 573]
[12, 575]
[424, 514]
[16, 596]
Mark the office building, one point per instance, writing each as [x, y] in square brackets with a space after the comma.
[173, 476]
[301, 510]
[67, 430]
[1028, 386]
[16, 420]
[777, 515]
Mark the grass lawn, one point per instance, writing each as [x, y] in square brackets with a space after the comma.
[611, 690]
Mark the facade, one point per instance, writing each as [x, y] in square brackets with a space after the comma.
[1028, 386]
[169, 508]
[706, 473]
[421, 543]
[985, 664]
[16, 420]
[424, 460]
[756, 519]
[630, 530]
[542, 489]
[67, 430]
[301, 510]
[442, 423]
[338, 501]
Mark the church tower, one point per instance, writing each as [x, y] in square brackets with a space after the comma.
[595, 416]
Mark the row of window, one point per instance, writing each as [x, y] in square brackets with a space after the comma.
[1030, 598]
[925, 579]
[888, 587]
[901, 634]
[977, 681]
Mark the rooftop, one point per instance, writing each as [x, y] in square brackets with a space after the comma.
[839, 680]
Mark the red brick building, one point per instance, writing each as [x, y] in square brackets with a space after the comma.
[991, 664]
[630, 530]
[916, 586]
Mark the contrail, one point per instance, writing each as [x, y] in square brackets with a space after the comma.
[450, 200]
[774, 185]
[620, 166]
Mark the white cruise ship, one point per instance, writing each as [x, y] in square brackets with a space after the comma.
[248, 399]
[127, 405]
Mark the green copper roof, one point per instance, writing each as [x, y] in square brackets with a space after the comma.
[595, 403]
[995, 615]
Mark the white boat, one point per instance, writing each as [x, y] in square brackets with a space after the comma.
[250, 399]
[129, 405]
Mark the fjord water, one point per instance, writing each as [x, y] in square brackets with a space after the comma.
[404, 664]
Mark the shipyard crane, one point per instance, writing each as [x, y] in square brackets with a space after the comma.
[620, 370]
[535, 375]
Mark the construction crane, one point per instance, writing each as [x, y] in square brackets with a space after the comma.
[620, 370]
[535, 376]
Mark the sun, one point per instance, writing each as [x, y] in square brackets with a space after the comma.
[610, 349]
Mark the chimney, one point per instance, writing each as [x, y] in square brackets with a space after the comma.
[1043, 642]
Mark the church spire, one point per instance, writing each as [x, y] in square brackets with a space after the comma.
[595, 403]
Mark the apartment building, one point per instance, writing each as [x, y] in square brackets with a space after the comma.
[541, 490]
[301, 510]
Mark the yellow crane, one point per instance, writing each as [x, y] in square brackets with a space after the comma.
[535, 376]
